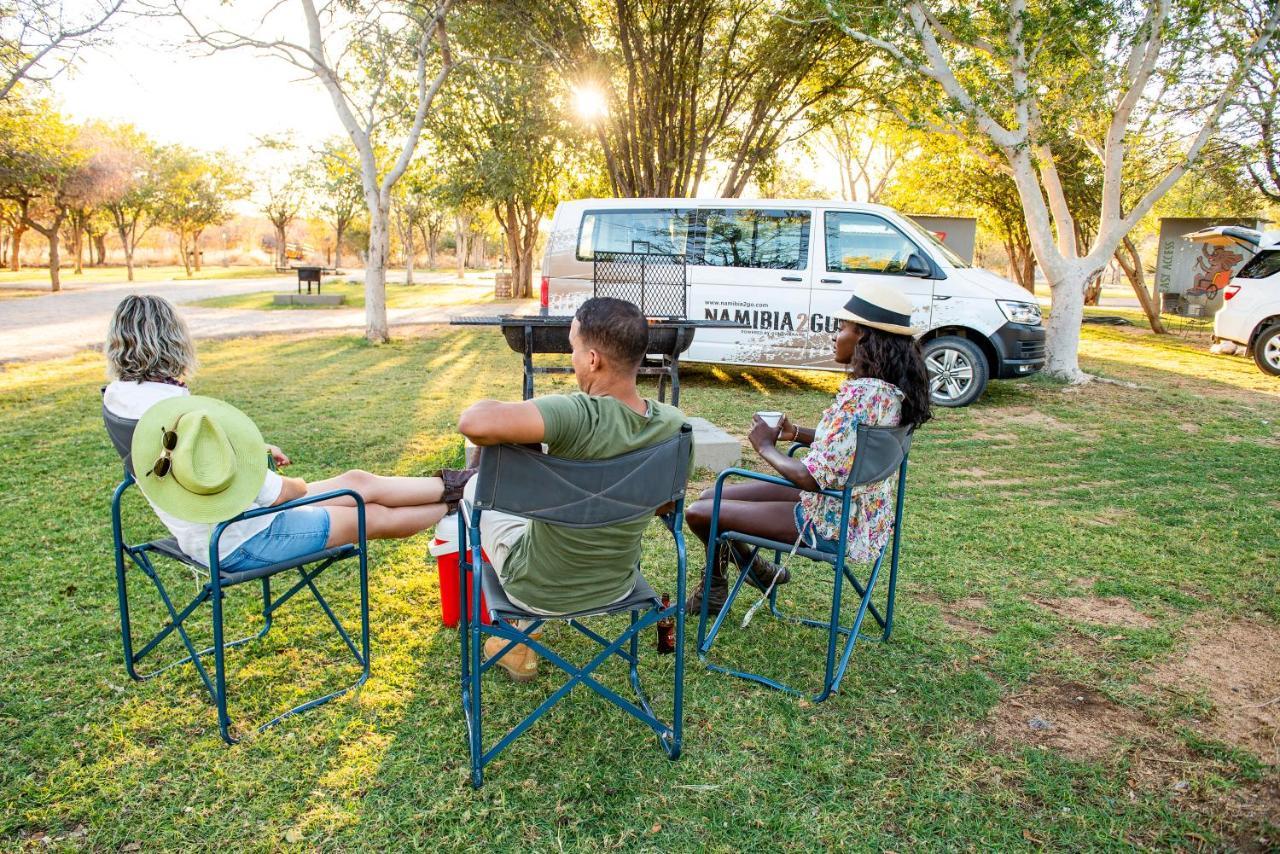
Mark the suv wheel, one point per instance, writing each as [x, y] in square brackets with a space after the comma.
[958, 370]
[1266, 350]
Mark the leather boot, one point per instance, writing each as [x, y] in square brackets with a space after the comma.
[454, 481]
[763, 572]
[719, 588]
[520, 663]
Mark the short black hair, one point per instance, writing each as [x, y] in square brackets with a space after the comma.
[615, 327]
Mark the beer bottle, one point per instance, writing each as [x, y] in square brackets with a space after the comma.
[666, 629]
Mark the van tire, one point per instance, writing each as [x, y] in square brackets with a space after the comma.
[1266, 350]
[967, 365]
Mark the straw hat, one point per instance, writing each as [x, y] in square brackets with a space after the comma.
[199, 458]
[879, 305]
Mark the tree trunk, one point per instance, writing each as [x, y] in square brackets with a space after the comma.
[462, 226]
[1062, 347]
[1131, 262]
[128, 250]
[55, 261]
[195, 248]
[375, 271]
[282, 247]
[182, 251]
[15, 248]
[1093, 291]
[77, 246]
[337, 246]
[406, 239]
[100, 246]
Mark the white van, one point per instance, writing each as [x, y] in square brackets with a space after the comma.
[755, 262]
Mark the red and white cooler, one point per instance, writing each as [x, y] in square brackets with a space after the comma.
[444, 548]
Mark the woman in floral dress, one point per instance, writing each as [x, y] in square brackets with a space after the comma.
[887, 386]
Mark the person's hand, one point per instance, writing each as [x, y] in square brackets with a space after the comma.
[762, 434]
[787, 431]
[279, 456]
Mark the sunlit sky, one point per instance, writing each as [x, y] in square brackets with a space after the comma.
[147, 76]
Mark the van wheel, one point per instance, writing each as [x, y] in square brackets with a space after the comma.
[1266, 350]
[958, 370]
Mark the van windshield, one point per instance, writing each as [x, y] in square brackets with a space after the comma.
[932, 239]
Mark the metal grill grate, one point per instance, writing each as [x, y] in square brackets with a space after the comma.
[656, 283]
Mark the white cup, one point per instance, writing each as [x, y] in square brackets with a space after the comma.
[773, 419]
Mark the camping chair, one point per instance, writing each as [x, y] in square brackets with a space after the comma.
[217, 581]
[880, 451]
[576, 494]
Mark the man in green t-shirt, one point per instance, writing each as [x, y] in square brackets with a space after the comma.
[550, 569]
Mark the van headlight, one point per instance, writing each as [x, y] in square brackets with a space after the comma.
[1020, 312]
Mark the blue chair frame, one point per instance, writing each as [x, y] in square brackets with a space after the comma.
[214, 589]
[644, 606]
[837, 660]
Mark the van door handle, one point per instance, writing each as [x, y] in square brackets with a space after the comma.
[829, 281]
[941, 298]
[793, 278]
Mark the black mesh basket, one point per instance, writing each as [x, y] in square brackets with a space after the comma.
[656, 283]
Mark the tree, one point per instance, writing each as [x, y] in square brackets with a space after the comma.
[505, 137]
[281, 188]
[39, 38]
[1024, 78]
[334, 180]
[378, 76]
[196, 192]
[670, 85]
[40, 171]
[867, 149]
[1258, 120]
[131, 191]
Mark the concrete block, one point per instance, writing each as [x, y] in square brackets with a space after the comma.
[713, 448]
[309, 299]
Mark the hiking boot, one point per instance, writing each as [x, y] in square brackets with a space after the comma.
[719, 588]
[521, 663]
[765, 572]
[454, 482]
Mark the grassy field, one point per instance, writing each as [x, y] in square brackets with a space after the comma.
[1085, 656]
[39, 277]
[437, 292]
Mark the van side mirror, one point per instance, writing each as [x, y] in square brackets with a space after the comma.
[917, 266]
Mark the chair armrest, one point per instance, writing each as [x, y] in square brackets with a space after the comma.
[795, 446]
[765, 478]
[280, 508]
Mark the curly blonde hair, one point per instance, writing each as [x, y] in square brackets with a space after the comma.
[147, 340]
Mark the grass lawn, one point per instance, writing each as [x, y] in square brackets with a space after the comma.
[1085, 654]
[39, 276]
[433, 294]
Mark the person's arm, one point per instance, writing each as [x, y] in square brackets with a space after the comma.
[290, 489]
[492, 422]
[764, 439]
[280, 458]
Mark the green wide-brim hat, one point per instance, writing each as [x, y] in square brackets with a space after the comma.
[217, 467]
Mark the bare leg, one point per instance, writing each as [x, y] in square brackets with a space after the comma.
[773, 519]
[753, 490]
[381, 489]
[381, 523]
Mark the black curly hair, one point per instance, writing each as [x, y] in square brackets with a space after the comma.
[896, 359]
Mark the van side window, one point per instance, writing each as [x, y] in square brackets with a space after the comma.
[772, 239]
[864, 243]
[1260, 266]
[648, 232]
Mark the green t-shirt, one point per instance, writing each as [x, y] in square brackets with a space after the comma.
[571, 569]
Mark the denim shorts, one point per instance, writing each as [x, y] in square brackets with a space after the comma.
[812, 539]
[293, 533]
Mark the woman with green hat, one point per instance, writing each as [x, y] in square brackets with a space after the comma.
[200, 461]
[887, 386]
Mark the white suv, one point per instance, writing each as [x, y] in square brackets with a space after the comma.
[1250, 314]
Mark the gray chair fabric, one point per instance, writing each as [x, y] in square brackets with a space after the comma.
[642, 598]
[121, 432]
[583, 493]
[880, 452]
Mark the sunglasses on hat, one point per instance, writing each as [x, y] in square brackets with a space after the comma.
[168, 441]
